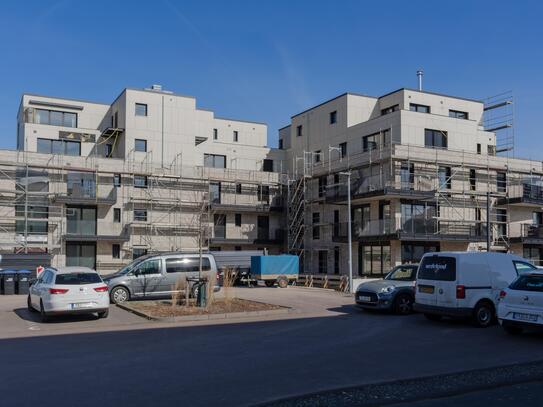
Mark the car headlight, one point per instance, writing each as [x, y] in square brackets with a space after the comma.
[388, 289]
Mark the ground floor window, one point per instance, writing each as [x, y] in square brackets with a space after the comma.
[81, 254]
[533, 253]
[373, 260]
[138, 252]
[323, 261]
[413, 252]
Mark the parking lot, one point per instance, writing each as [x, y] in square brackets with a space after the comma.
[325, 344]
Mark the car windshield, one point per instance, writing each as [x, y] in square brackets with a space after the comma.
[528, 283]
[77, 278]
[402, 273]
[129, 267]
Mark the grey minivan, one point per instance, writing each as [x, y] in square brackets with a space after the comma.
[155, 275]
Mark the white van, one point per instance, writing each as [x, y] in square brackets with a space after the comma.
[465, 284]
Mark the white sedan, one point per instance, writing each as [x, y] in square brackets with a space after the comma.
[521, 304]
[68, 290]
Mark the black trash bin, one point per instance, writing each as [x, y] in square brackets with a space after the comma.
[23, 282]
[7, 282]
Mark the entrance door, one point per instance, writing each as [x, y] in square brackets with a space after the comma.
[81, 254]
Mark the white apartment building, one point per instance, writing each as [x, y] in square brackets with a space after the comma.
[421, 165]
[99, 184]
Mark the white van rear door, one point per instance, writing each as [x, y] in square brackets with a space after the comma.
[436, 281]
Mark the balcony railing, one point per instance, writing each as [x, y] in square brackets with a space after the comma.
[526, 192]
[88, 194]
[81, 227]
[530, 231]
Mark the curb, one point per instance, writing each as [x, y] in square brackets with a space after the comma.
[209, 317]
[417, 389]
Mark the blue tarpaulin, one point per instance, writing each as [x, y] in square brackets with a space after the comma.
[266, 267]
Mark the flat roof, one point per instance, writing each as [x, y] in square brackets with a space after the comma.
[62, 98]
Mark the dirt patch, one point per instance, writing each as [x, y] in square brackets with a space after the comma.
[164, 309]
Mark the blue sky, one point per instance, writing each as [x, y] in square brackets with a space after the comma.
[266, 61]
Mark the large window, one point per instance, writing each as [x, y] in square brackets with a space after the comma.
[81, 254]
[215, 192]
[140, 145]
[435, 138]
[444, 178]
[214, 161]
[81, 220]
[418, 218]
[140, 215]
[457, 114]
[141, 109]
[419, 108]
[370, 142]
[81, 184]
[33, 227]
[413, 252]
[55, 118]
[32, 211]
[407, 175]
[62, 147]
[373, 260]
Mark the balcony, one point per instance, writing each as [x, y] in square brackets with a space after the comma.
[528, 233]
[263, 236]
[232, 205]
[420, 188]
[88, 195]
[413, 229]
[525, 194]
[85, 231]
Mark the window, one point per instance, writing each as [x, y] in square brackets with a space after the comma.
[108, 150]
[537, 219]
[138, 252]
[444, 177]
[373, 260]
[115, 119]
[149, 267]
[323, 181]
[140, 145]
[263, 192]
[407, 175]
[299, 131]
[215, 192]
[140, 181]
[116, 251]
[238, 189]
[55, 118]
[116, 215]
[491, 150]
[140, 215]
[323, 262]
[237, 248]
[187, 264]
[501, 219]
[478, 148]
[33, 227]
[419, 108]
[33, 212]
[62, 147]
[523, 267]
[214, 161]
[117, 180]
[333, 117]
[435, 138]
[317, 155]
[81, 220]
[215, 134]
[316, 227]
[437, 268]
[390, 109]
[418, 218]
[501, 182]
[472, 180]
[141, 109]
[280, 144]
[237, 219]
[412, 253]
[336, 223]
[267, 165]
[219, 226]
[77, 278]
[336, 260]
[457, 114]
[370, 142]
[236, 136]
[343, 149]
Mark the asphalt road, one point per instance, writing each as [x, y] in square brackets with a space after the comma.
[245, 363]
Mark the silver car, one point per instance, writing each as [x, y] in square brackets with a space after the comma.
[396, 292]
[156, 275]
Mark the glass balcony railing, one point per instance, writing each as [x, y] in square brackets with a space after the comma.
[81, 227]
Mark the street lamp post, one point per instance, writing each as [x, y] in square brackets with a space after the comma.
[349, 232]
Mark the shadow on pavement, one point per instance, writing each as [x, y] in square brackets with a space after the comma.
[26, 315]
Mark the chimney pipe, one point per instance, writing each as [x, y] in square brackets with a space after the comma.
[419, 75]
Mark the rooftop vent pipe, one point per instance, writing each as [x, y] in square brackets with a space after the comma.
[419, 75]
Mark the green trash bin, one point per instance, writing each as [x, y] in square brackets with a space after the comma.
[201, 298]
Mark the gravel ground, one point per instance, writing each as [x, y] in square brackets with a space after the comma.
[405, 391]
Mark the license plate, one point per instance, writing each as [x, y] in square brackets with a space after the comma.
[426, 289]
[82, 305]
[524, 317]
[364, 298]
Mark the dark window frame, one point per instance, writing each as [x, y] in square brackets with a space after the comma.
[416, 107]
[139, 141]
[140, 113]
[116, 215]
[333, 117]
[237, 219]
[116, 251]
[458, 114]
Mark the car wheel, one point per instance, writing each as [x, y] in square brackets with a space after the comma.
[282, 282]
[433, 317]
[103, 314]
[483, 314]
[512, 329]
[29, 304]
[119, 294]
[403, 304]
[43, 314]
[270, 283]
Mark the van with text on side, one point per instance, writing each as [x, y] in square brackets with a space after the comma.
[465, 284]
